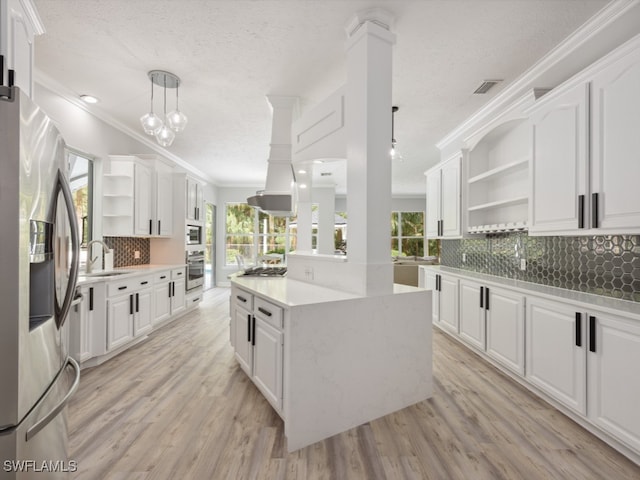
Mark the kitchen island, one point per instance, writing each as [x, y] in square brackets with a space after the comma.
[330, 360]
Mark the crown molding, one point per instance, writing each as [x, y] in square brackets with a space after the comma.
[51, 84]
[32, 15]
[588, 31]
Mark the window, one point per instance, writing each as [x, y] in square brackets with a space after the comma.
[253, 233]
[407, 234]
[81, 183]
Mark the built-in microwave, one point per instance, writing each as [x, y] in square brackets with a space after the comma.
[194, 235]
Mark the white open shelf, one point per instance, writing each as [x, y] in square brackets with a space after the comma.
[499, 203]
[501, 170]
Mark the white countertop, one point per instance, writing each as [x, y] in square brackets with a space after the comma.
[609, 303]
[289, 293]
[130, 271]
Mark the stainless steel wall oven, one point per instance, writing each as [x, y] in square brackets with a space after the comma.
[195, 268]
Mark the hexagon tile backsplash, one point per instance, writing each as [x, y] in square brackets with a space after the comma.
[604, 265]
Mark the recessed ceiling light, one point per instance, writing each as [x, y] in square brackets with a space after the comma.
[89, 99]
[303, 185]
[318, 161]
[302, 172]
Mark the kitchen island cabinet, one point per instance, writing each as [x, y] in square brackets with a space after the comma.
[330, 360]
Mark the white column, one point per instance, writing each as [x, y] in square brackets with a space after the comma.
[368, 124]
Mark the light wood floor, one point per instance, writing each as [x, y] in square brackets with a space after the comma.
[178, 407]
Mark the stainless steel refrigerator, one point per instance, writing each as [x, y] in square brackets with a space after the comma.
[39, 248]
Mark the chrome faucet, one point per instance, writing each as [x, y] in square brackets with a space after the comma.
[90, 262]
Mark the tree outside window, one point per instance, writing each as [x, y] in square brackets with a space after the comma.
[407, 234]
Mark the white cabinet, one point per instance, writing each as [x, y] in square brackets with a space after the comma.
[613, 382]
[556, 356]
[492, 320]
[129, 310]
[168, 294]
[443, 200]
[195, 200]
[584, 172]
[587, 359]
[19, 25]
[258, 341]
[87, 323]
[444, 299]
[137, 197]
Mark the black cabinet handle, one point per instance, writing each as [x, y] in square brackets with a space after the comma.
[578, 329]
[249, 328]
[253, 336]
[130, 304]
[241, 298]
[91, 299]
[158, 227]
[580, 211]
[441, 227]
[163, 277]
[150, 226]
[481, 297]
[594, 210]
[486, 298]
[173, 289]
[144, 283]
[592, 334]
[122, 288]
[169, 289]
[197, 299]
[439, 282]
[178, 274]
[137, 302]
[266, 312]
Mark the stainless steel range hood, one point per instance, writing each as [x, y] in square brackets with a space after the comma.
[279, 195]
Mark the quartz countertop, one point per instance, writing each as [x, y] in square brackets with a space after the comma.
[611, 304]
[129, 271]
[289, 293]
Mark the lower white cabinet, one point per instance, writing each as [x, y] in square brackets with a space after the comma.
[492, 320]
[258, 341]
[86, 323]
[168, 294]
[556, 353]
[613, 362]
[129, 310]
[444, 299]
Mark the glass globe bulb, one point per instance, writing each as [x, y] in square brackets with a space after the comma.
[151, 123]
[165, 136]
[176, 120]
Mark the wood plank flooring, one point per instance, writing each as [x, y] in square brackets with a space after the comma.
[177, 406]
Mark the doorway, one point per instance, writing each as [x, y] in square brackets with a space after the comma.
[210, 247]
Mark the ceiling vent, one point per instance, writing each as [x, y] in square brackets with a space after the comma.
[485, 86]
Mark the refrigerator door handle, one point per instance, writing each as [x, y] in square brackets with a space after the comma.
[63, 186]
[33, 431]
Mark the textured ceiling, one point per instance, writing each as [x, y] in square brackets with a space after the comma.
[231, 53]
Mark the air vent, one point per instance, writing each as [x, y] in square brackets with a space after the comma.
[486, 86]
[325, 174]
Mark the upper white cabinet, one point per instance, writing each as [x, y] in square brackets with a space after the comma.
[19, 25]
[137, 197]
[559, 170]
[443, 199]
[497, 179]
[195, 200]
[585, 159]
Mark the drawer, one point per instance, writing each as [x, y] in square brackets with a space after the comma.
[177, 273]
[162, 277]
[243, 299]
[267, 311]
[128, 285]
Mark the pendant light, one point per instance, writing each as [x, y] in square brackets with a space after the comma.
[394, 153]
[151, 123]
[175, 121]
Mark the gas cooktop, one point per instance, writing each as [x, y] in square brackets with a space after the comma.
[265, 271]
